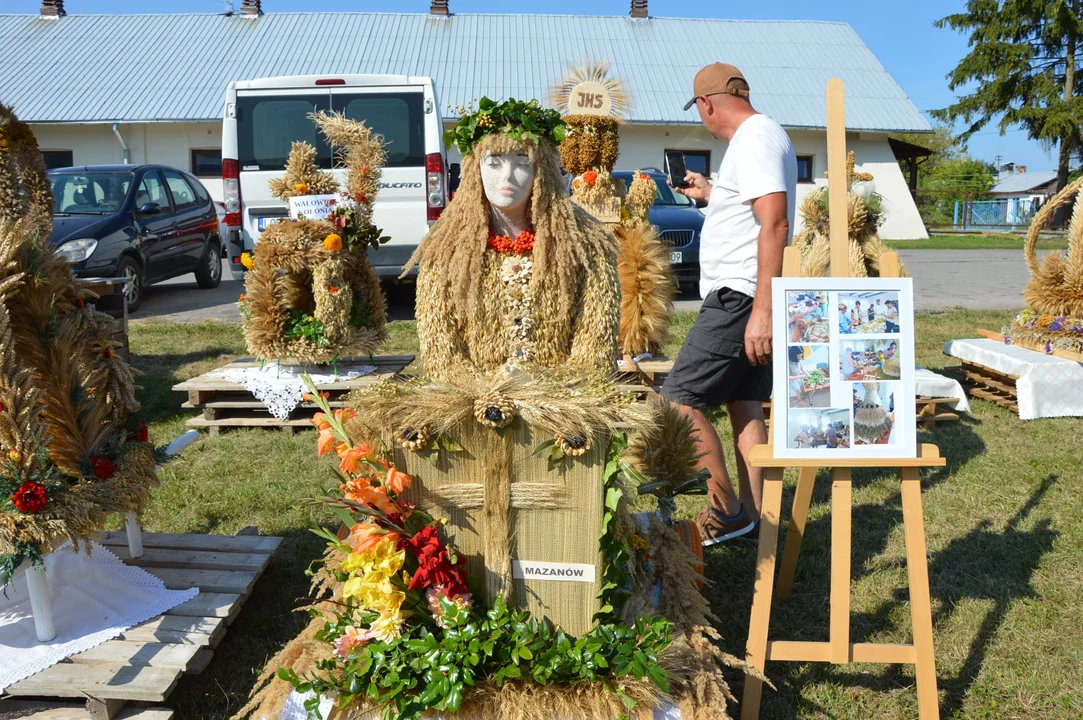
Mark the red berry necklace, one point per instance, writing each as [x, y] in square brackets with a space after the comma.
[520, 245]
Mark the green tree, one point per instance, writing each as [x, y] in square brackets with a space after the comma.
[1022, 71]
[946, 176]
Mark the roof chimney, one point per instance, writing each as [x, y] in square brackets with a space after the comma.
[438, 7]
[639, 8]
[52, 9]
[1020, 169]
[251, 8]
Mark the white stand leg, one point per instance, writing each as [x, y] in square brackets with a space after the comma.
[135, 535]
[40, 604]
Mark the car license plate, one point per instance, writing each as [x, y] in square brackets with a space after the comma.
[265, 222]
[675, 258]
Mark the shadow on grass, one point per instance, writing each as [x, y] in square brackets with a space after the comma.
[267, 622]
[158, 375]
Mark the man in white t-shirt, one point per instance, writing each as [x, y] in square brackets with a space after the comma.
[726, 357]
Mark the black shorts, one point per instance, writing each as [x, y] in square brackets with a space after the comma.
[712, 368]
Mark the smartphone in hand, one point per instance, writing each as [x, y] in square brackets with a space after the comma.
[676, 169]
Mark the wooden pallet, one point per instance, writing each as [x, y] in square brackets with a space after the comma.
[988, 384]
[226, 405]
[127, 677]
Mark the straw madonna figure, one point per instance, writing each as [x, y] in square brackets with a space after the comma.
[513, 270]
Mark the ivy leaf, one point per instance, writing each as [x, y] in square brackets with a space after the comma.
[543, 449]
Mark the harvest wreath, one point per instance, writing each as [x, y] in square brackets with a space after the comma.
[311, 294]
[70, 455]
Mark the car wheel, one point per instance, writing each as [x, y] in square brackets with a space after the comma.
[133, 291]
[209, 273]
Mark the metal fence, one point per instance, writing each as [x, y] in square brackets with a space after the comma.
[961, 211]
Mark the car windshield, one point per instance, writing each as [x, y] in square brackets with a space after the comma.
[663, 194]
[89, 193]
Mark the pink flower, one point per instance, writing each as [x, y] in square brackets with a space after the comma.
[351, 639]
[434, 594]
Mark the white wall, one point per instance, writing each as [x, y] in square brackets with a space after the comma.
[641, 146]
[163, 143]
[644, 145]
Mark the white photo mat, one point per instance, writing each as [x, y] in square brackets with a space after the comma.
[857, 346]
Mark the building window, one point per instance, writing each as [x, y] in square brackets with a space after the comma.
[207, 163]
[57, 159]
[804, 168]
[698, 161]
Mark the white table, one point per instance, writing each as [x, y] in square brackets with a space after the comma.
[1046, 385]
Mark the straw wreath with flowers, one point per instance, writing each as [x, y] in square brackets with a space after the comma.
[311, 294]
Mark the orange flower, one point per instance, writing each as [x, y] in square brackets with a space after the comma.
[369, 534]
[332, 289]
[108, 352]
[644, 176]
[397, 481]
[15, 456]
[241, 298]
[320, 420]
[360, 490]
[590, 177]
[247, 261]
[344, 414]
[326, 442]
[351, 457]
[333, 242]
[300, 188]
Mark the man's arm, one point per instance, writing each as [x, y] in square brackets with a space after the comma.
[774, 236]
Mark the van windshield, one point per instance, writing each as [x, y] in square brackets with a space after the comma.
[268, 124]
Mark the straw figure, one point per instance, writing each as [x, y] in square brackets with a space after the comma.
[311, 293]
[480, 306]
[864, 215]
[510, 447]
[1053, 319]
[69, 453]
[589, 152]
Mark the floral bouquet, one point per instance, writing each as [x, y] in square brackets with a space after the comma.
[405, 634]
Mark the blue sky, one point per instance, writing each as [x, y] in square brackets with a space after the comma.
[901, 35]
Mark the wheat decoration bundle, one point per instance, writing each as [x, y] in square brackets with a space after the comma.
[1053, 318]
[69, 453]
[311, 293]
[864, 214]
[871, 419]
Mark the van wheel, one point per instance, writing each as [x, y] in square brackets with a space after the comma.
[133, 291]
[209, 272]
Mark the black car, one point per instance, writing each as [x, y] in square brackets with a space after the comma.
[678, 222]
[146, 222]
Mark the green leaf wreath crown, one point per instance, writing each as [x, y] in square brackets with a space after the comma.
[523, 121]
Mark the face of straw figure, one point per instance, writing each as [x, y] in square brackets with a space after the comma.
[508, 179]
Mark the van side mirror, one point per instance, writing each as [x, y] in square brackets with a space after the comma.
[149, 209]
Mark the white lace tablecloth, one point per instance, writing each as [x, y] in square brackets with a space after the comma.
[1048, 386]
[279, 387]
[294, 709]
[929, 384]
[94, 599]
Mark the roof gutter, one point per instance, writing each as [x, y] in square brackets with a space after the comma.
[123, 145]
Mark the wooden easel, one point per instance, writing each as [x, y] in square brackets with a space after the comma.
[838, 649]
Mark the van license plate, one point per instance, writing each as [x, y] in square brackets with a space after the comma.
[676, 258]
[265, 222]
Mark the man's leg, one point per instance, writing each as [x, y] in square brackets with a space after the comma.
[749, 430]
[720, 492]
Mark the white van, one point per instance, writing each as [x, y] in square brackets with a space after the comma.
[264, 117]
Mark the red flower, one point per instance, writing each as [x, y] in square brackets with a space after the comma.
[522, 244]
[590, 177]
[103, 467]
[108, 352]
[30, 497]
[142, 432]
[340, 222]
[80, 303]
[434, 565]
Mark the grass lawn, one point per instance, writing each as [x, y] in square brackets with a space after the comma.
[1005, 544]
[999, 241]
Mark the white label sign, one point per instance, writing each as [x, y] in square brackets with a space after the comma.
[561, 572]
[313, 207]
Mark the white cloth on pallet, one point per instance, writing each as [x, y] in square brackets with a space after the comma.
[929, 384]
[294, 709]
[1048, 386]
[94, 599]
[279, 387]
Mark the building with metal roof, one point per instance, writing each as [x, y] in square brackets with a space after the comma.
[61, 73]
[1026, 184]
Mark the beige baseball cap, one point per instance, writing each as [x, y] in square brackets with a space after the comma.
[715, 79]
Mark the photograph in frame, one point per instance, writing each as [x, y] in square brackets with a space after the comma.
[862, 404]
